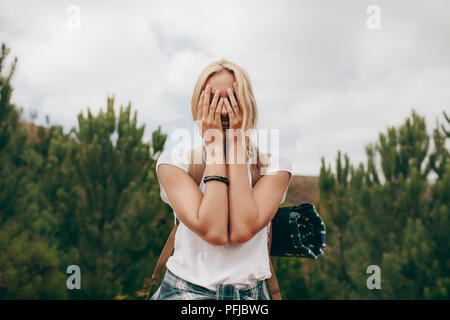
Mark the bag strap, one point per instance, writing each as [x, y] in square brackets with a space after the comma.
[165, 254]
[273, 283]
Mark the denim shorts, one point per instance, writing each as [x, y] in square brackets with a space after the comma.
[175, 288]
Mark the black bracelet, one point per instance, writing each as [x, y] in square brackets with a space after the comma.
[217, 178]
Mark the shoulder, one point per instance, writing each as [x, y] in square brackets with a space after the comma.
[275, 163]
[278, 163]
[175, 157]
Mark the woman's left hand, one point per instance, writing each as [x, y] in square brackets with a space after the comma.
[234, 110]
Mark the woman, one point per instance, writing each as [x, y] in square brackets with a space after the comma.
[221, 241]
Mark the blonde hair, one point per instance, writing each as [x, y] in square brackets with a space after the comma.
[250, 115]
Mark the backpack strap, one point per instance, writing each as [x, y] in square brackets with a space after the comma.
[273, 283]
[165, 254]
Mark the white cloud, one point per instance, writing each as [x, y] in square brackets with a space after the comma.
[318, 73]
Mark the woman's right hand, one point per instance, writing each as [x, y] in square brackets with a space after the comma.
[208, 115]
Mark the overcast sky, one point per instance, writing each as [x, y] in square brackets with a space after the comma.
[322, 72]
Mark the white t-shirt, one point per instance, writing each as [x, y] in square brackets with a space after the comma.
[199, 262]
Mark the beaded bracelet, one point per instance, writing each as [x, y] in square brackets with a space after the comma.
[217, 178]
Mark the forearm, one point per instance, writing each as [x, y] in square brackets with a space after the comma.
[243, 213]
[213, 211]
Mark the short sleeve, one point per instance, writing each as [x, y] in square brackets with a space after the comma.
[279, 164]
[172, 157]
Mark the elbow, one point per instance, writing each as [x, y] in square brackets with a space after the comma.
[216, 239]
[212, 232]
[244, 230]
[240, 237]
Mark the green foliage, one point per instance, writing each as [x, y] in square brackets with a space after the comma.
[29, 259]
[88, 198]
[389, 213]
[91, 198]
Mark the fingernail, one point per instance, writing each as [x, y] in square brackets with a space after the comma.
[207, 87]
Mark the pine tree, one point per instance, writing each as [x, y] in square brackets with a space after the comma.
[29, 261]
[88, 198]
[105, 197]
[389, 214]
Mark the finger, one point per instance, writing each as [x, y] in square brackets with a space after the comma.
[212, 109]
[206, 101]
[218, 110]
[230, 110]
[234, 103]
[199, 106]
[214, 101]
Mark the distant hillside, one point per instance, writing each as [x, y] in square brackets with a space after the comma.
[32, 129]
[303, 189]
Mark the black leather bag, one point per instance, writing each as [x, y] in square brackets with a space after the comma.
[298, 231]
